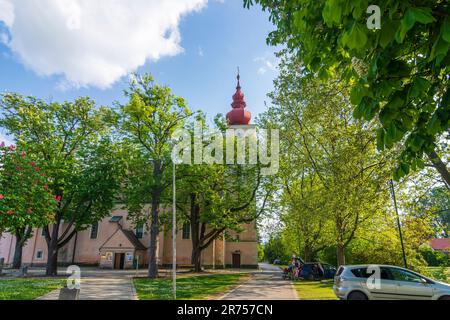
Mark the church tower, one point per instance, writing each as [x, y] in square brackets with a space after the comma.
[238, 116]
[240, 249]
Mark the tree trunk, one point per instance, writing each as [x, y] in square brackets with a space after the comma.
[52, 259]
[196, 259]
[439, 166]
[154, 230]
[340, 250]
[17, 260]
[308, 253]
[52, 250]
[195, 234]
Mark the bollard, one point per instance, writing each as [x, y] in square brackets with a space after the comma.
[24, 271]
[2, 261]
[69, 294]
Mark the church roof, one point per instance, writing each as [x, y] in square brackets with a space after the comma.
[123, 239]
[134, 240]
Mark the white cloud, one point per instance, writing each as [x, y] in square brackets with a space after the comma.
[6, 12]
[261, 70]
[200, 52]
[266, 64]
[93, 42]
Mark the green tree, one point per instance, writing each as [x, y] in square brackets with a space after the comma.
[438, 204]
[398, 75]
[324, 143]
[148, 121]
[434, 258]
[218, 199]
[424, 195]
[70, 139]
[25, 199]
[275, 248]
[307, 226]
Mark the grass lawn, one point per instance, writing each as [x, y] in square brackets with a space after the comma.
[27, 289]
[439, 273]
[314, 290]
[188, 287]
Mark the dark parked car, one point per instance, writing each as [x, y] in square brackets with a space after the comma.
[317, 271]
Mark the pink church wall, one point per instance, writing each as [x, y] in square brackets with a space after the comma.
[87, 251]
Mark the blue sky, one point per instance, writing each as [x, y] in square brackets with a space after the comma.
[215, 39]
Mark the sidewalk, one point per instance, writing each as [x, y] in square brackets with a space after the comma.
[98, 284]
[101, 289]
[266, 284]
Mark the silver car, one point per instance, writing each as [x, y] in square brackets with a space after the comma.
[382, 282]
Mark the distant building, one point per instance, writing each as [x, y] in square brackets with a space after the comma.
[114, 243]
[441, 244]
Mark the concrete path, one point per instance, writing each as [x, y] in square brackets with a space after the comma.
[101, 289]
[96, 284]
[267, 284]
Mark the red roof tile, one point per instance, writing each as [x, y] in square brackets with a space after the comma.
[440, 244]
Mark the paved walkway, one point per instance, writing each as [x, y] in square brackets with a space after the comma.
[267, 284]
[101, 289]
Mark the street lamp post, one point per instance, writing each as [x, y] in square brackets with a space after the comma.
[398, 223]
[174, 236]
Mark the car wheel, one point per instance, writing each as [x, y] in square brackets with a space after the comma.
[444, 298]
[357, 296]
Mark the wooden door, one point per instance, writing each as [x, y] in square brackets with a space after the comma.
[236, 260]
[119, 260]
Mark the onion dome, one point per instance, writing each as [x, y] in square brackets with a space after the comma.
[238, 115]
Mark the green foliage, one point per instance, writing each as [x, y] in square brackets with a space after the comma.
[438, 273]
[25, 199]
[260, 252]
[276, 249]
[431, 202]
[151, 116]
[217, 199]
[71, 140]
[147, 122]
[434, 258]
[398, 75]
[331, 178]
[66, 138]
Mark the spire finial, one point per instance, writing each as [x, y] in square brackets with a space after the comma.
[238, 78]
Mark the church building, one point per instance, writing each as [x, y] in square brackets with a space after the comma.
[115, 243]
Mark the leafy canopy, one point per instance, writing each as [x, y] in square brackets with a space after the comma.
[70, 139]
[25, 198]
[399, 74]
